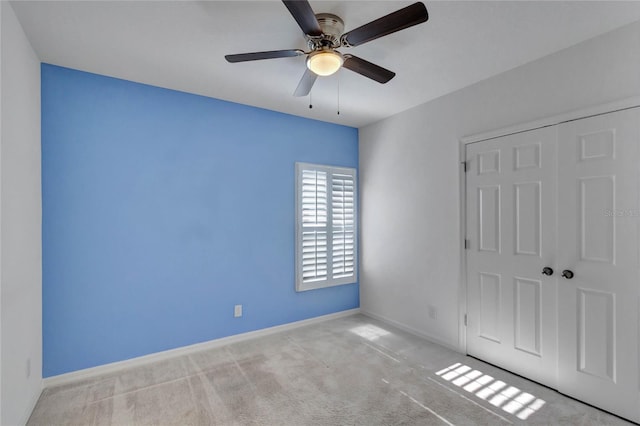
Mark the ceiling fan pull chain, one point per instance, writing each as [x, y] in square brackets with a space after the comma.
[338, 76]
[310, 106]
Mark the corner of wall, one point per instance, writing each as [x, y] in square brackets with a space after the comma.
[20, 223]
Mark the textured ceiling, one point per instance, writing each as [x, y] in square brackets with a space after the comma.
[181, 45]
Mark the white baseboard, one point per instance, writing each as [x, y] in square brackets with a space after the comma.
[411, 330]
[100, 370]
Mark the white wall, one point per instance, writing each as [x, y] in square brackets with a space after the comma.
[20, 223]
[409, 173]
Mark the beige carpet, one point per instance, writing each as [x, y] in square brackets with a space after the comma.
[349, 371]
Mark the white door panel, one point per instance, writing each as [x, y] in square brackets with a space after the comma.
[511, 197]
[598, 241]
[528, 326]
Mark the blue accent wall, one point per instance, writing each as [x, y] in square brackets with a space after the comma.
[162, 210]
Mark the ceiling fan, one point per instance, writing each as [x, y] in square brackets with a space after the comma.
[324, 34]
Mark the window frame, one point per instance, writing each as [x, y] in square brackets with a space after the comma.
[329, 281]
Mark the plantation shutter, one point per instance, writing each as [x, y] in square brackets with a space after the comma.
[343, 225]
[314, 225]
[326, 226]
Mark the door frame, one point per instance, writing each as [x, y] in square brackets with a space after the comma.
[623, 104]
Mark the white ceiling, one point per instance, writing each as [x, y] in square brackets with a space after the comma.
[181, 45]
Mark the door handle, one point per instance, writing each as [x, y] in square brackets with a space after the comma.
[567, 274]
[547, 271]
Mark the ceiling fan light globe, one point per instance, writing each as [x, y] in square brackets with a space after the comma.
[325, 62]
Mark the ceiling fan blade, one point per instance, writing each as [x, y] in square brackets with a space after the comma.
[304, 16]
[396, 21]
[271, 54]
[306, 83]
[367, 69]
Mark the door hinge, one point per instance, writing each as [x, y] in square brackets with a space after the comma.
[467, 244]
[464, 166]
[465, 320]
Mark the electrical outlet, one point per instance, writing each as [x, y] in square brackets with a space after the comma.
[237, 311]
[28, 367]
[432, 311]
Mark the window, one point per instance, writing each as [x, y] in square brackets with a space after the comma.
[326, 228]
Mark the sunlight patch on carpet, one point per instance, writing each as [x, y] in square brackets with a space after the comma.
[369, 332]
[496, 392]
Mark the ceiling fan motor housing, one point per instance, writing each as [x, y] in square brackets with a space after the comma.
[332, 28]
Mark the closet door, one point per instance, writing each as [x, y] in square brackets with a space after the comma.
[511, 228]
[598, 215]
